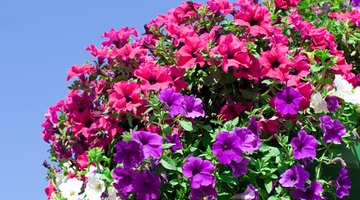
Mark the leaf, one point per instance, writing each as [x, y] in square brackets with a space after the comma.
[186, 125]
[168, 163]
[268, 185]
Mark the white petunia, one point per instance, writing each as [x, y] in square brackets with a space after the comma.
[343, 89]
[356, 98]
[112, 192]
[318, 103]
[71, 188]
[94, 187]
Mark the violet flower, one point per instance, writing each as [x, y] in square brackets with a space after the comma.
[313, 192]
[287, 101]
[343, 184]
[250, 193]
[147, 185]
[332, 130]
[332, 103]
[173, 101]
[129, 153]
[227, 147]
[204, 192]
[249, 141]
[124, 178]
[174, 138]
[296, 177]
[199, 171]
[193, 107]
[239, 167]
[152, 143]
[304, 145]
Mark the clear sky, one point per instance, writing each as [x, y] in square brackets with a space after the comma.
[39, 41]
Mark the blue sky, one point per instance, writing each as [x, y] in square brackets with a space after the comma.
[39, 41]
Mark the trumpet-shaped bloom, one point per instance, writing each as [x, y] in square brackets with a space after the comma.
[227, 147]
[287, 101]
[295, 177]
[332, 130]
[151, 143]
[304, 145]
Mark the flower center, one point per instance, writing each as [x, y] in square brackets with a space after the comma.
[128, 98]
[152, 80]
[275, 64]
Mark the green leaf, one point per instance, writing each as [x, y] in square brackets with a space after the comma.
[168, 163]
[268, 185]
[167, 145]
[186, 125]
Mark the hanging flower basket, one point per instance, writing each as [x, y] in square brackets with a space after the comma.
[216, 101]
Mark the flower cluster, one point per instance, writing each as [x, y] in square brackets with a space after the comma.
[225, 100]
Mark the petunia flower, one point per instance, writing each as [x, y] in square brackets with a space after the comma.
[153, 77]
[250, 193]
[204, 192]
[295, 177]
[173, 101]
[193, 107]
[123, 180]
[147, 185]
[318, 103]
[199, 171]
[332, 103]
[174, 139]
[249, 137]
[332, 130]
[239, 167]
[287, 101]
[94, 186]
[151, 143]
[129, 153]
[313, 191]
[227, 147]
[125, 97]
[71, 188]
[343, 184]
[304, 145]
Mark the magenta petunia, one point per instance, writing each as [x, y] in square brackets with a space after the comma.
[343, 184]
[294, 177]
[332, 130]
[151, 143]
[227, 147]
[199, 171]
[173, 101]
[287, 101]
[193, 107]
[304, 145]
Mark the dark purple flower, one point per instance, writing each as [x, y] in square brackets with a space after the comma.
[343, 184]
[296, 177]
[332, 103]
[152, 143]
[174, 138]
[173, 101]
[124, 178]
[287, 101]
[239, 167]
[313, 192]
[332, 130]
[193, 107]
[204, 192]
[147, 185]
[251, 193]
[227, 147]
[249, 141]
[355, 3]
[199, 171]
[129, 153]
[304, 145]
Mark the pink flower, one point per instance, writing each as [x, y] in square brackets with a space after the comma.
[231, 110]
[119, 38]
[153, 77]
[79, 71]
[222, 6]
[189, 55]
[126, 96]
[300, 68]
[286, 4]
[274, 62]
[49, 190]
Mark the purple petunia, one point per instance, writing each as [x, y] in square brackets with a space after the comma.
[174, 138]
[287, 101]
[332, 130]
[199, 171]
[204, 192]
[239, 167]
[152, 143]
[124, 178]
[249, 137]
[227, 147]
[332, 103]
[173, 101]
[147, 185]
[193, 107]
[296, 177]
[343, 184]
[313, 192]
[250, 193]
[304, 145]
[129, 153]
